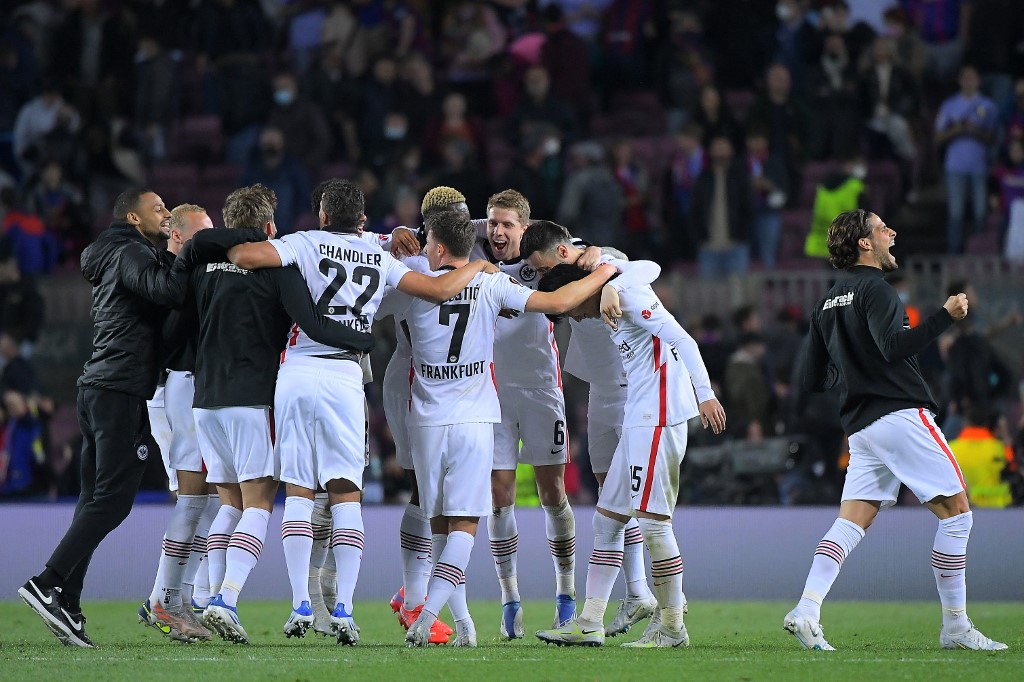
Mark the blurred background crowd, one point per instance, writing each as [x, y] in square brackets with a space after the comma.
[718, 137]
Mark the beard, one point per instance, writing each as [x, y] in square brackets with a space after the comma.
[887, 264]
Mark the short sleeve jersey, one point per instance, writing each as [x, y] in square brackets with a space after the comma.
[346, 276]
[453, 351]
[525, 353]
[660, 392]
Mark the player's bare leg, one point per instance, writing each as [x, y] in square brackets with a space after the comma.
[560, 527]
[452, 539]
[297, 542]
[347, 546]
[504, 536]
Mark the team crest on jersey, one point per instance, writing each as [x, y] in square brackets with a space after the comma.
[646, 314]
[527, 274]
[142, 452]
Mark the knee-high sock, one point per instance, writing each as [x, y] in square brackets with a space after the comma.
[605, 561]
[666, 570]
[243, 552]
[197, 573]
[560, 526]
[297, 541]
[177, 548]
[347, 547]
[457, 602]
[321, 520]
[217, 544]
[949, 563]
[829, 556]
[634, 568]
[449, 572]
[415, 539]
[501, 527]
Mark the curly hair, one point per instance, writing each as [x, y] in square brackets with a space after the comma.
[441, 198]
[846, 230]
[344, 204]
[512, 200]
[251, 206]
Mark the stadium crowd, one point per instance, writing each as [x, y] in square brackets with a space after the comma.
[714, 136]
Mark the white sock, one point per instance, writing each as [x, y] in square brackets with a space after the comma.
[457, 602]
[347, 547]
[244, 551]
[949, 563]
[297, 541]
[560, 526]
[197, 573]
[634, 568]
[177, 549]
[416, 548]
[829, 556]
[605, 561]
[217, 544]
[321, 520]
[501, 527]
[449, 572]
[666, 570]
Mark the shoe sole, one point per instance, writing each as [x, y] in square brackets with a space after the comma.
[297, 628]
[790, 626]
[346, 635]
[59, 630]
[168, 631]
[228, 629]
[561, 642]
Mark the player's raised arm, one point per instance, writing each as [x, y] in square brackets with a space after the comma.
[571, 295]
[880, 306]
[440, 289]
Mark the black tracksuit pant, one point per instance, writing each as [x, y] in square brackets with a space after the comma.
[116, 446]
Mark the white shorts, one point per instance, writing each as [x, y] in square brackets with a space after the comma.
[161, 431]
[397, 395]
[320, 408]
[536, 416]
[178, 394]
[644, 475]
[453, 470]
[906, 447]
[238, 443]
[605, 408]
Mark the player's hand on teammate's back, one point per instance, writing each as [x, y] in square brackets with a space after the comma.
[508, 313]
[590, 259]
[610, 308]
[712, 414]
[956, 306]
[404, 243]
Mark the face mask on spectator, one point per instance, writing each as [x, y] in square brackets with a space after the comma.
[284, 97]
[271, 152]
[552, 146]
[394, 132]
[859, 171]
[783, 11]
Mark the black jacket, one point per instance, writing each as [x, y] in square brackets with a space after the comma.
[860, 339]
[132, 287]
[739, 199]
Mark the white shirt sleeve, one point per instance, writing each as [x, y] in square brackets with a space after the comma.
[396, 270]
[287, 247]
[510, 293]
[633, 273]
[395, 302]
[417, 263]
[643, 308]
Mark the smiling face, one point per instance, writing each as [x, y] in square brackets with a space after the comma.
[504, 232]
[151, 218]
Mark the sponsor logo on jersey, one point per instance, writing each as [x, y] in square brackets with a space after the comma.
[142, 452]
[841, 300]
[527, 274]
[626, 351]
[226, 267]
[646, 314]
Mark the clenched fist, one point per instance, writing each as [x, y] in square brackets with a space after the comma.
[956, 306]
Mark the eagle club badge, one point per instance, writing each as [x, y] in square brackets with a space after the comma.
[142, 452]
[527, 274]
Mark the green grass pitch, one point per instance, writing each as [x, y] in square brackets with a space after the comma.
[738, 641]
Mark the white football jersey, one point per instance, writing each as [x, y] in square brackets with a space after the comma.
[346, 276]
[453, 350]
[525, 353]
[663, 365]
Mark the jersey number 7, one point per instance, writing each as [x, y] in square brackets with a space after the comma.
[444, 316]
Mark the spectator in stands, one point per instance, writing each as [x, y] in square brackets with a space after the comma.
[564, 55]
[836, 20]
[742, 33]
[942, 24]
[911, 51]
[636, 194]
[747, 388]
[683, 66]
[25, 235]
[715, 119]
[328, 86]
[454, 123]
[786, 117]
[983, 458]
[1011, 199]
[227, 29]
[245, 99]
[460, 169]
[22, 308]
[22, 456]
[795, 41]
[472, 37]
[17, 373]
[592, 202]
[537, 170]
[842, 189]
[62, 207]
[684, 167]
[901, 284]
[307, 137]
[833, 94]
[539, 108]
[721, 212]
[627, 33]
[890, 98]
[18, 80]
[274, 167]
[305, 31]
[967, 125]
[381, 98]
[992, 45]
[41, 115]
[156, 97]
[420, 99]
[584, 18]
[771, 189]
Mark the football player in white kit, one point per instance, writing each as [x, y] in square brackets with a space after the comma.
[664, 372]
[319, 401]
[594, 358]
[455, 403]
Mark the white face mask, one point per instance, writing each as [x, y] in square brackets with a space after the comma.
[783, 12]
[552, 146]
[859, 171]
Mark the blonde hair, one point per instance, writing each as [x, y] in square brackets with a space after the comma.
[251, 206]
[512, 200]
[178, 213]
[441, 197]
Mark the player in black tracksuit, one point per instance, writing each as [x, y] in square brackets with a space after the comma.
[131, 288]
[861, 340]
